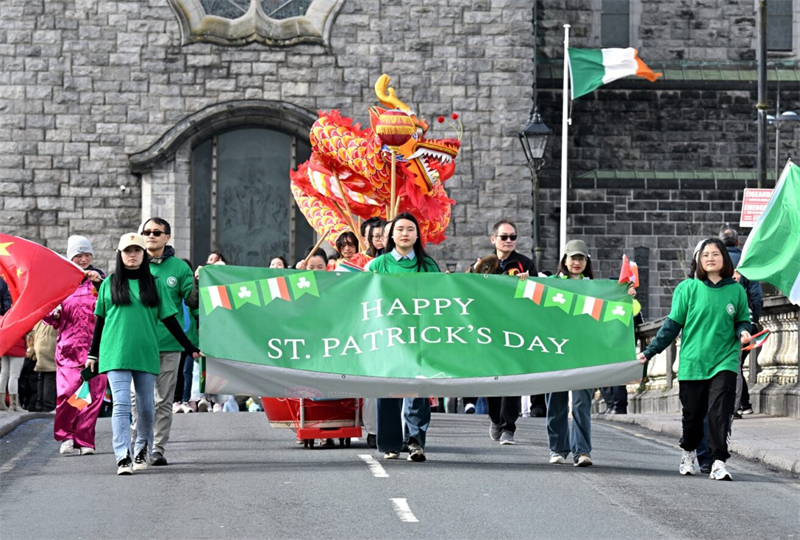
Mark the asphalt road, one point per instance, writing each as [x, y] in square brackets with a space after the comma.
[232, 476]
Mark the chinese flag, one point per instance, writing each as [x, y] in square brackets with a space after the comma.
[38, 279]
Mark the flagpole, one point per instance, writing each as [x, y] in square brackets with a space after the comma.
[564, 130]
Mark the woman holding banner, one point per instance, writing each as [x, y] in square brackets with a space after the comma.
[125, 346]
[404, 254]
[713, 314]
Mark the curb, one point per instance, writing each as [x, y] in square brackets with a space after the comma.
[14, 420]
[770, 458]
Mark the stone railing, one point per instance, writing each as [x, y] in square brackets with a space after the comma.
[773, 383]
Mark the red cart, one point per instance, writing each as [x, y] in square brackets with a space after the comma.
[316, 418]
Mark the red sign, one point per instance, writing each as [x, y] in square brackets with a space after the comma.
[753, 205]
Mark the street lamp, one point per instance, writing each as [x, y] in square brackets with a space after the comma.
[534, 140]
[784, 117]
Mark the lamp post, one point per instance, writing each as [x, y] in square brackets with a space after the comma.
[534, 139]
[784, 117]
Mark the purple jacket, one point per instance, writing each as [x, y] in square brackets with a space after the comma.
[75, 326]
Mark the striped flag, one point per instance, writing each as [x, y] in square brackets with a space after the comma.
[589, 69]
[214, 297]
[82, 398]
[757, 340]
[347, 266]
[591, 307]
[275, 288]
[531, 290]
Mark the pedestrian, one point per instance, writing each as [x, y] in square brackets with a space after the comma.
[755, 299]
[10, 370]
[43, 347]
[131, 306]
[316, 262]
[278, 262]
[347, 247]
[404, 254]
[575, 264]
[178, 278]
[711, 314]
[503, 411]
[74, 321]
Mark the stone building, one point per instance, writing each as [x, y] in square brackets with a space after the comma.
[195, 110]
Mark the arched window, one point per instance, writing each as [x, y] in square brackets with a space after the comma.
[240, 197]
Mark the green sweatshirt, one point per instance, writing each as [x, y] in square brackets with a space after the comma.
[712, 317]
[388, 264]
[177, 276]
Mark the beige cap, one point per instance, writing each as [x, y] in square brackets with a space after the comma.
[131, 239]
[576, 247]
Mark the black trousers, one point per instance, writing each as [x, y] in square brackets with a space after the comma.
[504, 412]
[46, 395]
[715, 397]
[616, 398]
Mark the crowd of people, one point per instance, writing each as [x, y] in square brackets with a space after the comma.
[136, 332]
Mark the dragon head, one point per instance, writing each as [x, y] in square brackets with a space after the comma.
[429, 160]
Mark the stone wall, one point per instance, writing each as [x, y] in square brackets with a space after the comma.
[84, 84]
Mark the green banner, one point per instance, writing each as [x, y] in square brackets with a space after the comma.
[330, 334]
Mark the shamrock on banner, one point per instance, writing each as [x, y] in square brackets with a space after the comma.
[619, 311]
[245, 293]
[559, 299]
[303, 283]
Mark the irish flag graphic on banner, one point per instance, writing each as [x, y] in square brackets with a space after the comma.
[590, 69]
[531, 290]
[275, 288]
[591, 307]
[214, 297]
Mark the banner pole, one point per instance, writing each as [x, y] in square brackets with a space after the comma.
[564, 132]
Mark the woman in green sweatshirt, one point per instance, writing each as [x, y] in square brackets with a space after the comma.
[712, 312]
[404, 254]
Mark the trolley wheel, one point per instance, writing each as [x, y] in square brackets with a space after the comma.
[341, 442]
[305, 443]
[347, 443]
[311, 443]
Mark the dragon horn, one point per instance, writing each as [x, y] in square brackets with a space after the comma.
[389, 98]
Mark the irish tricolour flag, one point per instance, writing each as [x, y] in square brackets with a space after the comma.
[275, 288]
[591, 307]
[214, 297]
[81, 398]
[590, 69]
[531, 290]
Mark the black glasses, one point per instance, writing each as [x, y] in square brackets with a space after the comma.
[154, 233]
[505, 237]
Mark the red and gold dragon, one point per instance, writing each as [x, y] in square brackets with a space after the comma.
[343, 154]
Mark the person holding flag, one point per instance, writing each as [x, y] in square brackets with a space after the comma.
[712, 314]
[74, 321]
[131, 305]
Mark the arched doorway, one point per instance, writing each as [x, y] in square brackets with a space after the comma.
[241, 203]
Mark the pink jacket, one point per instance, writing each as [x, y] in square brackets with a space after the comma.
[75, 326]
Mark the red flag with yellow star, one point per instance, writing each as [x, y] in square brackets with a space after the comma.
[38, 279]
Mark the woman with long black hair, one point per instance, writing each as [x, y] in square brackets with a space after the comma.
[125, 346]
[404, 254]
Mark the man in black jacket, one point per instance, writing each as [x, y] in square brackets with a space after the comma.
[503, 411]
[755, 299]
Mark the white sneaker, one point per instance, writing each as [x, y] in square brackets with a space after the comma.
[125, 466]
[185, 408]
[719, 472]
[67, 447]
[689, 464]
[583, 461]
[556, 459]
[202, 405]
[217, 408]
[86, 451]
[176, 407]
[469, 408]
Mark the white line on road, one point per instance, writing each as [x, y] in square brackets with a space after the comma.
[375, 468]
[27, 449]
[403, 511]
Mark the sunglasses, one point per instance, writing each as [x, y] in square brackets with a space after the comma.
[505, 237]
[154, 233]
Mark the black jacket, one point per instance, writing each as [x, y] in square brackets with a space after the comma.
[515, 264]
[755, 296]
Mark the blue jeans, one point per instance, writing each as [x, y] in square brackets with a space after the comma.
[391, 432]
[560, 439]
[144, 384]
[188, 371]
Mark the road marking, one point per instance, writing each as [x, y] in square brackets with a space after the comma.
[375, 468]
[639, 435]
[403, 511]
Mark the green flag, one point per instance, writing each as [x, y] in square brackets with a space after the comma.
[303, 283]
[558, 298]
[592, 68]
[619, 311]
[244, 293]
[772, 251]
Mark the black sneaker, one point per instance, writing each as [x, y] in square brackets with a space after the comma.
[371, 441]
[158, 459]
[140, 461]
[125, 466]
